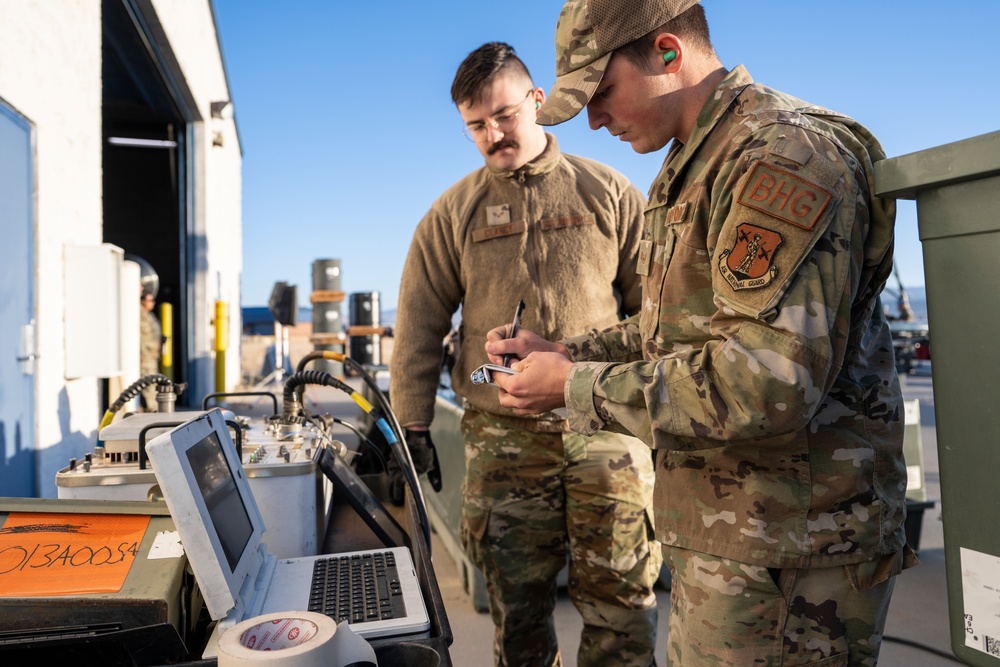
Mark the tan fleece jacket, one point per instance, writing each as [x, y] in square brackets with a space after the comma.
[561, 232]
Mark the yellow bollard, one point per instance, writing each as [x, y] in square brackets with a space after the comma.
[221, 343]
[167, 329]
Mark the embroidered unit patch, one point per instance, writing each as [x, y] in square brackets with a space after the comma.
[749, 263]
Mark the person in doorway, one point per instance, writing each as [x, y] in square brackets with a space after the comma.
[760, 368]
[526, 227]
[150, 345]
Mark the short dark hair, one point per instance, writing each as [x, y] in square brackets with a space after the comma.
[691, 25]
[481, 67]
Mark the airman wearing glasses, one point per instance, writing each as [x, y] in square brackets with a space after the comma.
[529, 225]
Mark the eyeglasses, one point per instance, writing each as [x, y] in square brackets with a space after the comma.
[503, 122]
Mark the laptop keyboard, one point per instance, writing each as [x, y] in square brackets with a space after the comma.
[357, 588]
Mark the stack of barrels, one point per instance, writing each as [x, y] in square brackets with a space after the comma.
[328, 328]
[366, 328]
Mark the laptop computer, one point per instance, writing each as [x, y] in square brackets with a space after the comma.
[221, 528]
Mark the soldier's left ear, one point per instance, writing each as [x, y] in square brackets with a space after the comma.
[669, 47]
[539, 98]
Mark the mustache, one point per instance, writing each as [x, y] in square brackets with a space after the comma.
[500, 145]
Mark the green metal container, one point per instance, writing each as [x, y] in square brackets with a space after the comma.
[957, 190]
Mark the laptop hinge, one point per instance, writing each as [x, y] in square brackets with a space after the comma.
[255, 589]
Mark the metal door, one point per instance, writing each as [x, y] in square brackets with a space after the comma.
[17, 326]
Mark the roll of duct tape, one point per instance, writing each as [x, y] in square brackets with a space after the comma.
[293, 639]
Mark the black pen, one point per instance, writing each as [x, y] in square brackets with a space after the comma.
[513, 327]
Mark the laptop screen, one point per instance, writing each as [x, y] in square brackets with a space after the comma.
[206, 489]
[222, 499]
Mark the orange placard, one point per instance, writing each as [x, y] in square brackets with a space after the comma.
[67, 554]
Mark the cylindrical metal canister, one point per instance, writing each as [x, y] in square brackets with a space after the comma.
[326, 317]
[364, 309]
[326, 275]
[366, 350]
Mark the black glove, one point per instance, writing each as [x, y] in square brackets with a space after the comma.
[425, 456]
[425, 460]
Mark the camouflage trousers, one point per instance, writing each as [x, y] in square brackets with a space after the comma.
[149, 393]
[528, 495]
[726, 613]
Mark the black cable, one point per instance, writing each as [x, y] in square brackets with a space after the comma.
[365, 439]
[380, 397]
[301, 378]
[307, 358]
[383, 402]
[922, 647]
[136, 387]
[131, 392]
[362, 437]
[397, 444]
[386, 409]
[310, 356]
[400, 448]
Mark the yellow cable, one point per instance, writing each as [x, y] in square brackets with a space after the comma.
[362, 401]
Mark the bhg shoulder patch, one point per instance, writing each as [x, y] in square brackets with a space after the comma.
[777, 215]
[783, 195]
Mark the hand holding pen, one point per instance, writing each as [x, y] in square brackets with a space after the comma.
[543, 366]
[515, 323]
[503, 349]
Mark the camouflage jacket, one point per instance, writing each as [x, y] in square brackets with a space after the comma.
[562, 233]
[150, 342]
[761, 365]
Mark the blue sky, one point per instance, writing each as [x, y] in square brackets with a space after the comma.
[349, 133]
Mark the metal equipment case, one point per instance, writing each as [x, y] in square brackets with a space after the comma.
[283, 475]
[155, 591]
[957, 189]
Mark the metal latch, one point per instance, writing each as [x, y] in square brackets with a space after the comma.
[28, 355]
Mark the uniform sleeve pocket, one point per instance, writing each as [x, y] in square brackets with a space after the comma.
[655, 252]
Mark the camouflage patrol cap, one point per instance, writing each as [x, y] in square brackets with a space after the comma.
[587, 34]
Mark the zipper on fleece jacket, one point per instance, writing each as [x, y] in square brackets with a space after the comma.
[532, 259]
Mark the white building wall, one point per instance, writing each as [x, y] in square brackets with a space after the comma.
[50, 72]
[191, 29]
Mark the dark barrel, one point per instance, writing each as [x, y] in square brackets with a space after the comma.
[364, 309]
[326, 275]
[366, 350]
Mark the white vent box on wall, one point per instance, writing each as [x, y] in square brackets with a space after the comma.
[93, 276]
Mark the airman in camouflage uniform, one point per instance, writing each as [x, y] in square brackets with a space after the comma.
[150, 346]
[530, 225]
[760, 368]
[527, 494]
